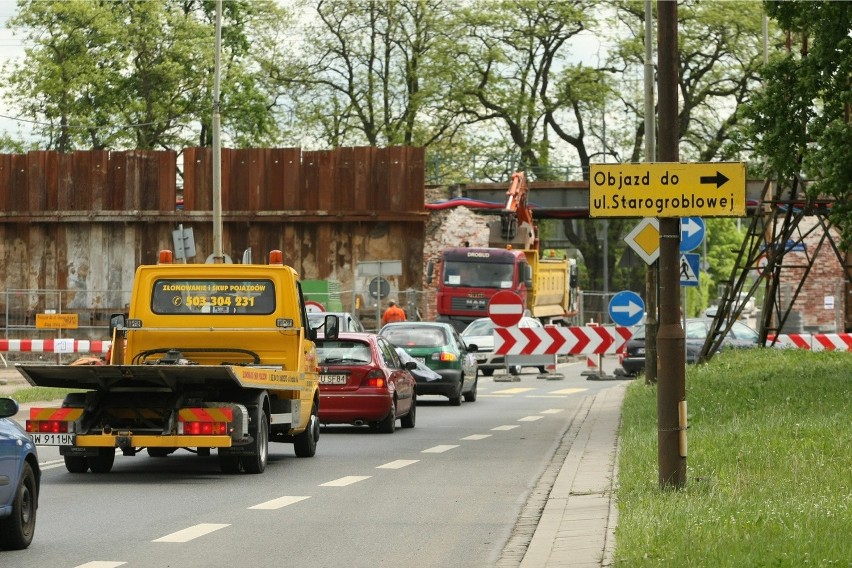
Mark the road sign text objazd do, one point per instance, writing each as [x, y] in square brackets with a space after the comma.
[667, 189]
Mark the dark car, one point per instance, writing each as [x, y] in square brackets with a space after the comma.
[443, 350]
[740, 336]
[20, 481]
[363, 381]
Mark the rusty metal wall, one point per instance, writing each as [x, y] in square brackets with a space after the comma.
[85, 220]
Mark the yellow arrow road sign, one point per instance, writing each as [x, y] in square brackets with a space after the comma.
[667, 189]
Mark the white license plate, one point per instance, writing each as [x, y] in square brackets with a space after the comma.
[420, 360]
[53, 439]
[334, 379]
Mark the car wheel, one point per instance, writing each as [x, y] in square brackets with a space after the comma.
[305, 444]
[256, 463]
[470, 396]
[102, 463]
[409, 419]
[456, 399]
[16, 531]
[487, 372]
[515, 370]
[387, 425]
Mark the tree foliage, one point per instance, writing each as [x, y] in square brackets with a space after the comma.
[138, 74]
[800, 120]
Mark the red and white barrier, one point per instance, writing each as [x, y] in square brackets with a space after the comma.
[554, 340]
[53, 346]
[813, 341]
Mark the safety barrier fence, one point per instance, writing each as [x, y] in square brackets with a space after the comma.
[813, 341]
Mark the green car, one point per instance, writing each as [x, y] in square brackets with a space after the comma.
[442, 349]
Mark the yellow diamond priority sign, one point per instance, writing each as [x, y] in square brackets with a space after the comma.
[668, 189]
[644, 239]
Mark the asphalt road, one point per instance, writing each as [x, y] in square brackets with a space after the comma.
[446, 493]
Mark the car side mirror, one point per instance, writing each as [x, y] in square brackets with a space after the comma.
[116, 321]
[332, 327]
[473, 348]
[410, 365]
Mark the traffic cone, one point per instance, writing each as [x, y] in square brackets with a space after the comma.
[590, 362]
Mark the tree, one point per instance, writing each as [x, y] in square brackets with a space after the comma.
[139, 74]
[800, 120]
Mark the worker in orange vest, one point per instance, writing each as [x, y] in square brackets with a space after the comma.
[393, 313]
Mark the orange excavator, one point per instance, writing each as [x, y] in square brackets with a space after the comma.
[516, 226]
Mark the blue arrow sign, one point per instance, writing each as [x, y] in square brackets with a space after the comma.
[689, 269]
[691, 233]
[626, 308]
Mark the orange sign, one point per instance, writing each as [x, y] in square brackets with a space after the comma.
[56, 321]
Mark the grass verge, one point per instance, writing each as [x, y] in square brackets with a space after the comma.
[769, 470]
[39, 394]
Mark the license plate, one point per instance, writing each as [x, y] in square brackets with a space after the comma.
[481, 358]
[334, 379]
[53, 439]
[421, 360]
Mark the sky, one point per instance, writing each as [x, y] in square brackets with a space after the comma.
[11, 48]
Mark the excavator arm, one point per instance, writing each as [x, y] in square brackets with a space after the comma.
[516, 212]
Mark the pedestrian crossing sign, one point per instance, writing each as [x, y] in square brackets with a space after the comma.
[689, 269]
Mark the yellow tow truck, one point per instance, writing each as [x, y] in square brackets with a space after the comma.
[208, 356]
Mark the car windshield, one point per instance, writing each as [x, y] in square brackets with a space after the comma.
[416, 336]
[478, 274]
[343, 353]
[479, 327]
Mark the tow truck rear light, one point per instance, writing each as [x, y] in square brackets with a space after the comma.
[47, 426]
[375, 379]
[52, 420]
[213, 421]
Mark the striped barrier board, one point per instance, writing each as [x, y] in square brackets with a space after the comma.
[813, 341]
[555, 340]
[53, 346]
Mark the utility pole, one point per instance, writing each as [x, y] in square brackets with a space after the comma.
[671, 364]
[218, 252]
[651, 283]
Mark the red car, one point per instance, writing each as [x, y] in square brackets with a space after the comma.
[363, 381]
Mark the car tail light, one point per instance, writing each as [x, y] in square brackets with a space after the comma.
[444, 356]
[375, 379]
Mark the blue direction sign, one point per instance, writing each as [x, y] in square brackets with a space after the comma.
[689, 269]
[626, 308]
[691, 233]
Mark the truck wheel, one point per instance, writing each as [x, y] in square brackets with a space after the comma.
[256, 463]
[515, 370]
[409, 419]
[487, 372]
[102, 463]
[387, 425]
[77, 464]
[16, 531]
[305, 443]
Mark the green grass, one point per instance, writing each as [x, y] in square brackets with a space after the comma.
[39, 394]
[769, 470]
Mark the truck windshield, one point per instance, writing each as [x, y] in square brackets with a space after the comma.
[255, 297]
[478, 274]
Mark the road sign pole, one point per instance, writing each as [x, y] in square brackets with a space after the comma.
[671, 368]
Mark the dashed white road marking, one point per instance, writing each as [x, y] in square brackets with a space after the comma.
[101, 564]
[477, 437]
[280, 502]
[439, 449]
[530, 418]
[516, 390]
[344, 481]
[506, 427]
[398, 464]
[552, 411]
[191, 533]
